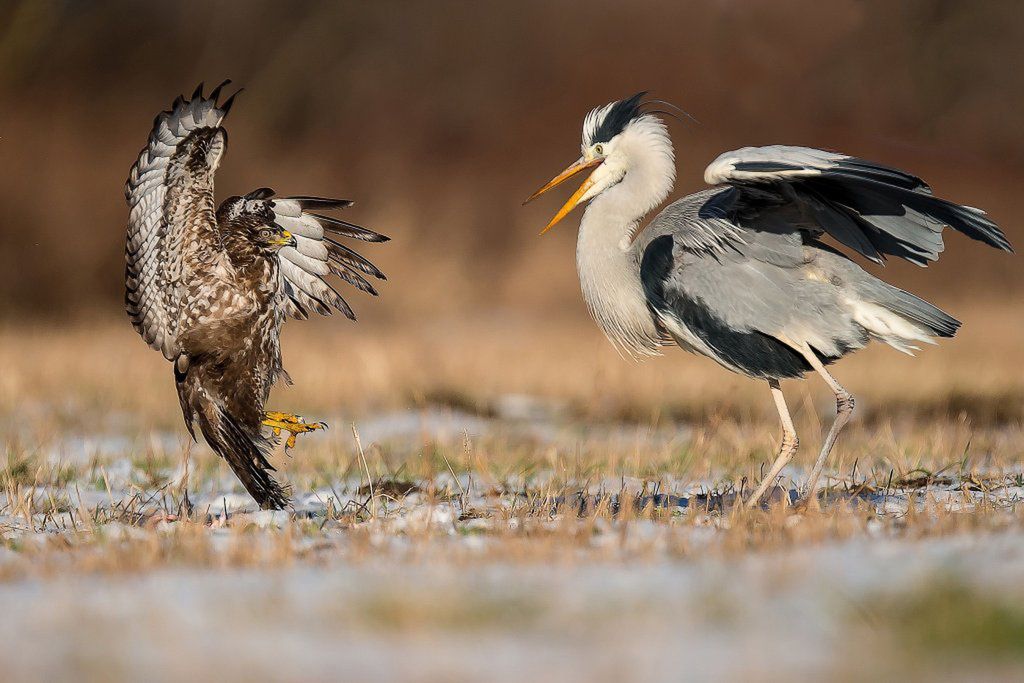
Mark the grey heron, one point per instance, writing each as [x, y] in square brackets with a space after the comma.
[739, 272]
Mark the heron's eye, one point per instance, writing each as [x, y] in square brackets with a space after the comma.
[599, 148]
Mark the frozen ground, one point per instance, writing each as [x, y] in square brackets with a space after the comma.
[487, 554]
[111, 472]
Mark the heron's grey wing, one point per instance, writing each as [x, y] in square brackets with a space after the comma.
[706, 223]
[171, 218]
[317, 254]
[873, 209]
[739, 296]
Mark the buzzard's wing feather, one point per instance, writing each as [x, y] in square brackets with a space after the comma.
[169, 214]
[316, 255]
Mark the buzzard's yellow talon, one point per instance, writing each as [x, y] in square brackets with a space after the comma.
[291, 423]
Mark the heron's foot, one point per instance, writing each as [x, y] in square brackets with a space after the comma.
[787, 449]
[809, 500]
[291, 423]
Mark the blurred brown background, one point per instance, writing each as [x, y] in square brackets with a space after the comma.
[440, 117]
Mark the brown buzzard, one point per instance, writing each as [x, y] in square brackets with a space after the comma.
[210, 286]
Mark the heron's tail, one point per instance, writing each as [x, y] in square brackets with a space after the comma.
[901, 319]
[244, 448]
[918, 311]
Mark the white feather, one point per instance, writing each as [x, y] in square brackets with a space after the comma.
[310, 265]
[305, 225]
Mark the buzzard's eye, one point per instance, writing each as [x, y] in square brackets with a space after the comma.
[264, 234]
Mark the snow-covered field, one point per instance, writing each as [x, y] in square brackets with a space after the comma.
[480, 573]
[503, 517]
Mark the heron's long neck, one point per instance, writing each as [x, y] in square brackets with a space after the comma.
[608, 266]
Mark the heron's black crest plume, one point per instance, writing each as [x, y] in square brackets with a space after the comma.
[608, 121]
[617, 117]
[676, 111]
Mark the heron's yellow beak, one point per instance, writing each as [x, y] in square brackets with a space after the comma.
[578, 167]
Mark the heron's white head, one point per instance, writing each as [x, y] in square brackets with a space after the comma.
[622, 143]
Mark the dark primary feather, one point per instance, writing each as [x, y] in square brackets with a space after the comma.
[353, 278]
[260, 193]
[893, 176]
[321, 203]
[346, 229]
[345, 256]
[215, 93]
[229, 102]
[875, 210]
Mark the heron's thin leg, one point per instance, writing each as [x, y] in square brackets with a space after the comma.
[787, 449]
[844, 409]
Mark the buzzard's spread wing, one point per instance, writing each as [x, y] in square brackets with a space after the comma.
[171, 220]
[306, 267]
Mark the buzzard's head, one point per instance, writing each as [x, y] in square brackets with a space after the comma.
[272, 237]
[253, 220]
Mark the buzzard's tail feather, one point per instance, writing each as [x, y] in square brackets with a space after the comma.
[247, 455]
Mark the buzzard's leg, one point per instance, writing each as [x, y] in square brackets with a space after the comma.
[787, 449]
[291, 419]
[844, 409]
[291, 423]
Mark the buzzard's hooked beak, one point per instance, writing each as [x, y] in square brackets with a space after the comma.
[579, 166]
[286, 239]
